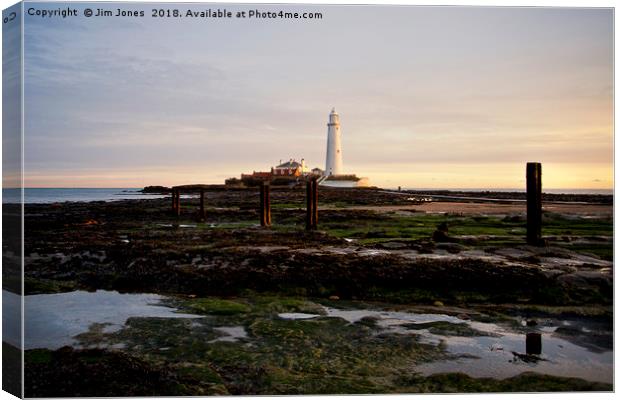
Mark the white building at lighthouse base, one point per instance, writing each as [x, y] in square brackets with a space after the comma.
[345, 181]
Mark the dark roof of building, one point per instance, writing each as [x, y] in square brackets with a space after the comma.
[289, 164]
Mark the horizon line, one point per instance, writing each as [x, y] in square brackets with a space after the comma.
[386, 187]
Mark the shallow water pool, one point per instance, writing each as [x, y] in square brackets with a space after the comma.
[488, 350]
[53, 320]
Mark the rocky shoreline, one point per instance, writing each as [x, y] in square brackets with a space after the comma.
[371, 246]
[138, 245]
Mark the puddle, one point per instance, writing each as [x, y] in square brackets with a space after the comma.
[53, 320]
[354, 251]
[575, 347]
[297, 316]
[266, 249]
[487, 349]
[372, 252]
[495, 357]
[230, 334]
[389, 318]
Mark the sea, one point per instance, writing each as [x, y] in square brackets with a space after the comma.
[59, 195]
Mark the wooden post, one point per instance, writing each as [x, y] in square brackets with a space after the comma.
[173, 196]
[534, 203]
[267, 203]
[308, 205]
[202, 205]
[312, 199]
[315, 203]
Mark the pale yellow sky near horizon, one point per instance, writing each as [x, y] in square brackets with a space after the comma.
[429, 97]
[555, 176]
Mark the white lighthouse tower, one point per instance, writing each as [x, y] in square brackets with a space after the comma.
[333, 162]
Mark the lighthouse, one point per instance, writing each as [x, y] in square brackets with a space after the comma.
[333, 162]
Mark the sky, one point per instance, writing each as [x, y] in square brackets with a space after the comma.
[428, 97]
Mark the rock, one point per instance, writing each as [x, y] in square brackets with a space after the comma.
[156, 189]
[453, 248]
[393, 245]
[440, 236]
[438, 303]
[334, 298]
[528, 358]
[514, 218]
[531, 322]
[441, 233]
[463, 316]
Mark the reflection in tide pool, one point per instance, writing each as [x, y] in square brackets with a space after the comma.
[479, 349]
[52, 320]
[495, 351]
[230, 334]
[495, 357]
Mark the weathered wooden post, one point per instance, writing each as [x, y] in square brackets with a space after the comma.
[534, 203]
[173, 196]
[315, 203]
[267, 202]
[265, 205]
[201, 217]
[312, 199]
[308, 205]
